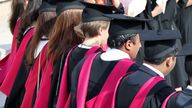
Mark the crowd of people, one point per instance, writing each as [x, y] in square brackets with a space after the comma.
[98, 54]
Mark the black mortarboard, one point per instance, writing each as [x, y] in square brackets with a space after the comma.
[47, 7]
[161, 43]
[96, 12]
[151, 35]
[122, 25]
[186, 50]
[62, 6]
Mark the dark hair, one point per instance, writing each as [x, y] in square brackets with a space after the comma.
[28, 18]
[17, 8]
[188, 65]
[157, 61]
[44, 25]
[120, 40]
[63, 36]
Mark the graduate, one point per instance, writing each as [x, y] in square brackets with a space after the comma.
[63, 38]
[147, 87]
[124, 41]
[47, 13]
[183, 98]
[94, 30]
[178, 77]
[17, 8]
[27, 28]
[36, 53]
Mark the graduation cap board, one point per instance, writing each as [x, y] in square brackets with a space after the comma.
[47, 7]
[161, 43]
[186, 50]
[122, 25]
[96, 12]
[62, 6]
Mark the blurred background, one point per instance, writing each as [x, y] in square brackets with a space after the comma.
[5, 34]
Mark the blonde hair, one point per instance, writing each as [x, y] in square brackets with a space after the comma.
[90, 29]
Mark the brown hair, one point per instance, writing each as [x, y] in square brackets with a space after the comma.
[63, 36]
[17, 8]
[45, 23]
[90, 29]
[28, 17]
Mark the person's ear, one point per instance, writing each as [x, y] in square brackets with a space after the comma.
[128, 45]
[100, 31]
[170, 61]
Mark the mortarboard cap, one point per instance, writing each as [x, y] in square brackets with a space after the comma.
[186, 50]
[152, 35]
[46, 7]
[96, 12]
[121, 25]
[62, 6]
[161, 43]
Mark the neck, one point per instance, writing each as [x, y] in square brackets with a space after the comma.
[156, 67]
[91, 41]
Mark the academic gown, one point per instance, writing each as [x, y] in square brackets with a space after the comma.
[184, 23]
[14, 91]
[76, 55]
[130, 85]
[181, 99]
[16, 96]
[177, 77]
[100, 71]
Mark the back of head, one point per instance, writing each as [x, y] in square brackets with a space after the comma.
[63, 36]
[157, 51]
[45, 22]
[160, 45]
[28, 18]
[17, 9]
[123, 28]
[93, 19]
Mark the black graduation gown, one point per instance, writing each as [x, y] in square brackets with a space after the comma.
[178, 76]
[15, 98]
[100, 70]
[76, 55]
[184, 23]
[181, 99]
[130, 85]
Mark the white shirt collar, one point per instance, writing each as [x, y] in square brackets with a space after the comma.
[154, 69]
[40, 46]
[189, 87]
[84, 46]
[114, 54]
